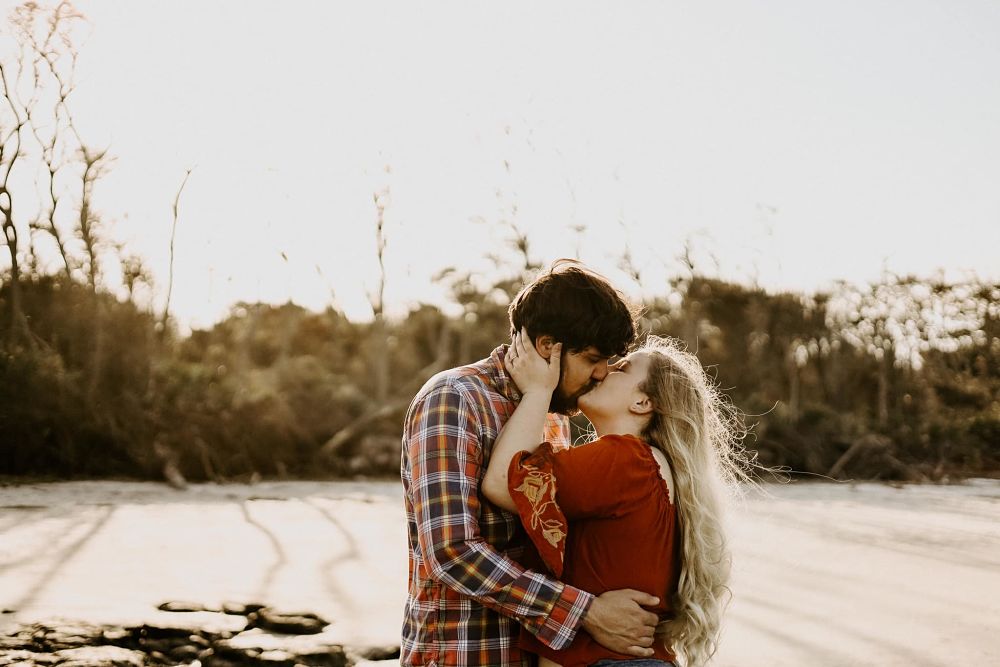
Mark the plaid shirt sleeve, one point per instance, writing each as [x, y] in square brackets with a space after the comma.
[444, 448]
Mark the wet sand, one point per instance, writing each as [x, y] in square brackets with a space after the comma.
[846, 574]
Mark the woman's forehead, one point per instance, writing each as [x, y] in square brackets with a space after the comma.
[639, 357]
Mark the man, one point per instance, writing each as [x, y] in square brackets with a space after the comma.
[467, 592]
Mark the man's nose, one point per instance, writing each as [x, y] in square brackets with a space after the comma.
[600, 371]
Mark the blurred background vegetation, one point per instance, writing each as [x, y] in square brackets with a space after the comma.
[895, 380]
[900, 380]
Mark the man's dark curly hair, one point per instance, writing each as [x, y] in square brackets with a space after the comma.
[577, 307]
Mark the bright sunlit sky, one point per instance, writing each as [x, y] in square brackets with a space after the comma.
[791, 142]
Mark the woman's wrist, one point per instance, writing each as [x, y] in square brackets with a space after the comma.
[538, 394]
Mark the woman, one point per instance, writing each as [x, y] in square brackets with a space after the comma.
[639, 507]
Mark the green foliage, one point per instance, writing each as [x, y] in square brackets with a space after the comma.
[269, 388]
[58, 417]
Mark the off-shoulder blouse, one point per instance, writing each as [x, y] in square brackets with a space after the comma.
[601, 517]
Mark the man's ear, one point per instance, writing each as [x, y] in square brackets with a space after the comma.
[543, 345]
[641, 405]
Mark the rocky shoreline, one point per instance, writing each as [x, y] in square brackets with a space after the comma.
[268, 638]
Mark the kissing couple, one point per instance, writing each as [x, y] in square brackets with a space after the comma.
[525, 549]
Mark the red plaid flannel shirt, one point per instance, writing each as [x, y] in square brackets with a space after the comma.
[467, 593]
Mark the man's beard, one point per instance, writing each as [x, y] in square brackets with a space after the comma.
[567, 404]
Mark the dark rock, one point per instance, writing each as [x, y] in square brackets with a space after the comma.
[65, 636]
[226, 651]
[73, 645]
[100, 656]
[285, 623]
[239, 609]
[216, 661]
[376, 653]
[161, 645]
[182, 606]
[185, 652]
[166, 631]
[332, 656]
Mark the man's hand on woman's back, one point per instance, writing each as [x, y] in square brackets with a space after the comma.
[618, 622]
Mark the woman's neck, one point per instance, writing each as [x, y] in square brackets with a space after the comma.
[618, 426]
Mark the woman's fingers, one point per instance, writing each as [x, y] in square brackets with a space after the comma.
[516, 349]
[522, 352]
[521, 341]
[528, 365]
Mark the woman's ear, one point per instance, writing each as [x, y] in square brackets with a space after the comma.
[543, 345]
[641, 405]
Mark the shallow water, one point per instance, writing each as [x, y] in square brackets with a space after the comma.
[824, 574]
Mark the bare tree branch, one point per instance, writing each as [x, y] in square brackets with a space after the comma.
[10, 151]
[49, 50]
[173, 235]
[94, 165]
[380, 335]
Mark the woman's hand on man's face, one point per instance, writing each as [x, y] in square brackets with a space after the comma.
[531, 372]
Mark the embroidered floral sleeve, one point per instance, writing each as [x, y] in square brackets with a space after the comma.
[532, 485]
[552, 486]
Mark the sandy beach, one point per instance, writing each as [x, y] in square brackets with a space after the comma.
[825, 574]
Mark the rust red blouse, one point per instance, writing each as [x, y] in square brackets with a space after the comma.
[601, 518]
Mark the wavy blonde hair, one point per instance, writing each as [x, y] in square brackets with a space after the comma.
[701, 434]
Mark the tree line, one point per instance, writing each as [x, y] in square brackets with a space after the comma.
[898, 380]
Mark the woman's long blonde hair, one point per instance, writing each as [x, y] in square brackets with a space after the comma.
[701, 434]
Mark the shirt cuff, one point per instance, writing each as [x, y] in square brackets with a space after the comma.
[559, 628]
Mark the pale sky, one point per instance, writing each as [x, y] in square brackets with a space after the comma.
[796, 142]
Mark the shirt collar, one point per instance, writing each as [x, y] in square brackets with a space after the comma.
[503, 381]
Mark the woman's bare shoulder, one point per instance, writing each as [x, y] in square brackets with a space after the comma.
[665, 471]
